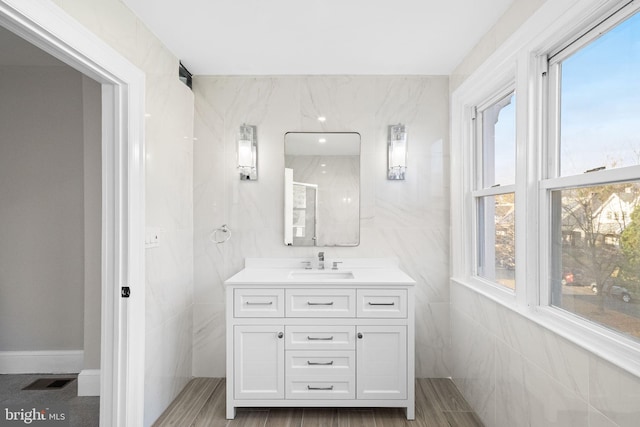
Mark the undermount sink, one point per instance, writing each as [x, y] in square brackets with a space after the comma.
[320, 275]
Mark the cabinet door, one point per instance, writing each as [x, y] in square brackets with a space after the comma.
[382, 362]
[259, 362]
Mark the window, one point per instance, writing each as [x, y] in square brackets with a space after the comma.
[495, 190]
[592, 185]
[567, 255]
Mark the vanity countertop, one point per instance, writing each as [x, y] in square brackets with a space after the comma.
[288, 271]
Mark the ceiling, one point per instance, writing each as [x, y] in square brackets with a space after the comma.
[315, 37]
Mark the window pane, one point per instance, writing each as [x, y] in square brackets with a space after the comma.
[499, 143]
[496, 232]
[596, 254]
[600, 102]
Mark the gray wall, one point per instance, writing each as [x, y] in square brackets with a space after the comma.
[92, 137]
[41, 209]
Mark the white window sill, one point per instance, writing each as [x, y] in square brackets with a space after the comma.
[489, 289]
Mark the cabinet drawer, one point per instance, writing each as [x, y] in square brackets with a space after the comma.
[382, 303]
[326, 388]
[258, 303]
[320, 337]
[321, 303]
[323, 364]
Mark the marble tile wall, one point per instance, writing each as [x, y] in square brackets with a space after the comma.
[404, 219]
[514, 372]
[169, 196]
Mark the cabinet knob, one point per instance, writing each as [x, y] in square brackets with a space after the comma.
[280, 334]
[359, 335]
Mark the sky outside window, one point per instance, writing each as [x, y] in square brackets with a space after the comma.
[499, 142]
[600, 102]
[506, 144]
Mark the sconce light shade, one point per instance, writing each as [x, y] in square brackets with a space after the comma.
[397, 152]
[248, 153]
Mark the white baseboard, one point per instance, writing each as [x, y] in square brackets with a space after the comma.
[41, 362]
[89, 382]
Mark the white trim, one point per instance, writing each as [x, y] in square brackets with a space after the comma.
[41, 362]
[123, 321]
[615, 15]
[550, 27]
[551, 150]
[616, 348]
[497, 96]
[89, 382]
[490, 289]
[495, 191]
[611, 176]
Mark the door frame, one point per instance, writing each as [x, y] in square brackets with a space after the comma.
[123, 211]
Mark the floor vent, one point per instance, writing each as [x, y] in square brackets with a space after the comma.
[49, 384]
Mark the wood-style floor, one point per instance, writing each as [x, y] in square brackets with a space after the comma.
[202, 403]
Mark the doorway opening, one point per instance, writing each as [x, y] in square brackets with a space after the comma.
[121, 375]
[50, 220]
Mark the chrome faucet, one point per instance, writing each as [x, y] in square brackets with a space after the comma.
[320, 260]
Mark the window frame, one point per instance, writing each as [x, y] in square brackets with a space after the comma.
[551, 179]
[479, 190]
[554, 31]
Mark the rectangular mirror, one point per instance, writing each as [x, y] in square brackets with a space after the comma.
[322, 189]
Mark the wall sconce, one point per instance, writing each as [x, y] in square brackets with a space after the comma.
[248, 153]
[397, 152]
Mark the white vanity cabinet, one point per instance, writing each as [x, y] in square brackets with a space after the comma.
[382, 362]
[259, 355]
[320, 344]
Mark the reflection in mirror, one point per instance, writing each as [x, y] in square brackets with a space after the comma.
[322, 189]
